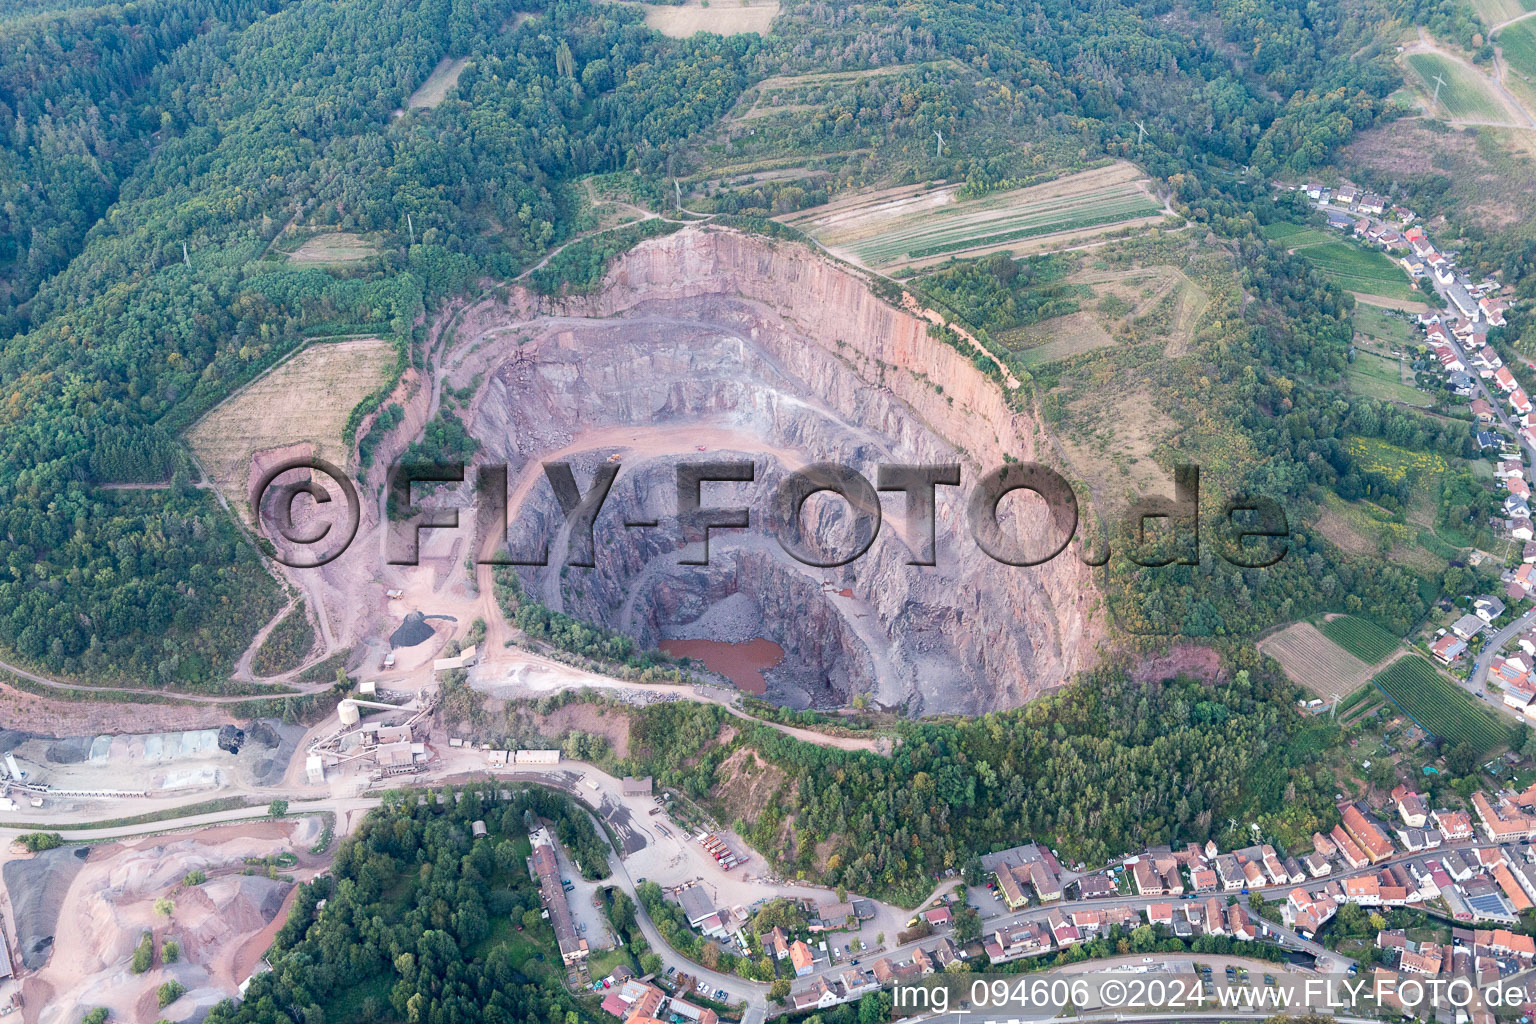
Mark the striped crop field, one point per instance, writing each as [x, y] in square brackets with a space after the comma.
[917, 225]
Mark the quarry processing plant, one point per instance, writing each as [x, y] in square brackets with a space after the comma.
[391, 748]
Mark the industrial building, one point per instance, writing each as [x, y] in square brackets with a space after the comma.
[390, 748]
[545, 869]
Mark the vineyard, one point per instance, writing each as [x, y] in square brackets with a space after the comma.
[916, 225]
[1440, 706]
[1315, 662]
[1364, 639]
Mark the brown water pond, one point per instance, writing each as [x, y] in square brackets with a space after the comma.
[742, 663]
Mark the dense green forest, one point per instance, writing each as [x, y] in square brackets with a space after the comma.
[287, 645]
[422, 922]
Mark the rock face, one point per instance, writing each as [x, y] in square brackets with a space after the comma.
[749, 349]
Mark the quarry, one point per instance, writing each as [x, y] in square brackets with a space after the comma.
[712, 345]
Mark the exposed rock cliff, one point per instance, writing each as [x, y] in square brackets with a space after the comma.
[711, 338]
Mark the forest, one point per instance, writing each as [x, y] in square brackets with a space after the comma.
[421, 922]
[1105, 766]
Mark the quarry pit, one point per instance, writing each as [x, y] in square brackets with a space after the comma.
[712, 345]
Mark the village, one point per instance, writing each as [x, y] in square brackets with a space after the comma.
[1490, 649]
[1473, 873]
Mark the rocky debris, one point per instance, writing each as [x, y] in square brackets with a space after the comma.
[413, 631]
[733, 620]
[37, 886]
[230, 738]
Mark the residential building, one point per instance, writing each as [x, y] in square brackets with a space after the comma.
[1410, 807]
[819, 996]
[1504, 823]
[1468, 626]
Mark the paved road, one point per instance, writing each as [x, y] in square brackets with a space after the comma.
[255, 813]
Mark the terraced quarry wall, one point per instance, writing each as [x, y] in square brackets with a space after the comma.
[712, 339]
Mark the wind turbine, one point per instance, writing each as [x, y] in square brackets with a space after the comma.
[938, 149]
[1438, 83]
[1141, 137]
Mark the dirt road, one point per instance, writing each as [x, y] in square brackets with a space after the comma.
[1522, 117]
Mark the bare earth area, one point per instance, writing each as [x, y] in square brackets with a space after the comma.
[97, 913]
[27, 712]
[724, 18]
[759, 350]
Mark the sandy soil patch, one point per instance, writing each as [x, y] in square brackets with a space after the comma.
[1313, 661]
[335, 247]
[724, 18]
[304, 401]
[435, 89]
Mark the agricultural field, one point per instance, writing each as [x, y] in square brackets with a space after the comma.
[336, 247]
[1439, 705]
[919, 225]
[1465, 96]
[728, 17]
[1383, 326]
[1352, 267]
[1360, 637]
[1494, 12]
[1314, 662]
[435, 89]
[1382, 377]
[1060, 337]
[305, 400]
[1517, 45]
[1359, 703]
